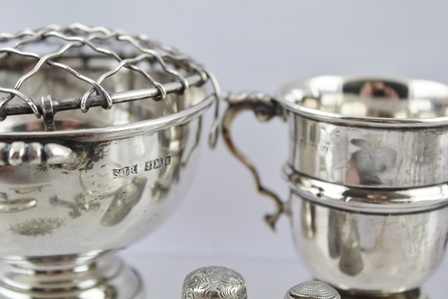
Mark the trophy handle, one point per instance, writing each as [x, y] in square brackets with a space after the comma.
[265, 108]
[35, 153]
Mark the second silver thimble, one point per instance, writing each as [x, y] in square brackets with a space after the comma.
[312, 290]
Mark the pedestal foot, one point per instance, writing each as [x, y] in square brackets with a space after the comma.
[101, 278]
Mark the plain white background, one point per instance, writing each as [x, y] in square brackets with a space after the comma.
[254, 45]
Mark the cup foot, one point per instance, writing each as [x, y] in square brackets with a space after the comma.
[411, 294]
[103, 278]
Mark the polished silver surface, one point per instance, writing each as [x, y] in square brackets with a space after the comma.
[106, 277]
[368, 101]
[367, 174]
[214, 282]
[368, 132]
[83, 183]
[375, 253]
[367, 200]
[312, 290]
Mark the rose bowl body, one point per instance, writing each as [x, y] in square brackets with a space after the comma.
[129, 168]
[99, 140]
[113, 177]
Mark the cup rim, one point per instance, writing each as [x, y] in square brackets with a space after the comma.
[288, 94]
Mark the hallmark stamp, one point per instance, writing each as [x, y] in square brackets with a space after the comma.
[125, 171]
[157, 163]
[148, 166]
[304, 144]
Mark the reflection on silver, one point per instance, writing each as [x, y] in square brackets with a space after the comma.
[370, 163]
[124, 200]
[35, 153]
[368, 101]
[80, 203]
[389, 253]
[308, 219]
[37, 227]
[344, 234]
[8, 205]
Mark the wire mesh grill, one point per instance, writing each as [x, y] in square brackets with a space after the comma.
[48, 47]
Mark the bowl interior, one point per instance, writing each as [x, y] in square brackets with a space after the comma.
[62, 85]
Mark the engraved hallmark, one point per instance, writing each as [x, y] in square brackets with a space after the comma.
[149, 165]
[157, 163]
[304, 144]
[125, 171]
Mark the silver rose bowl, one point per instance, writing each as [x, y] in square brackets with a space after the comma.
[367, 176]
[98, 144]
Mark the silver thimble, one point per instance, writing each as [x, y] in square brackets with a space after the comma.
[312, 290]
[214, 282]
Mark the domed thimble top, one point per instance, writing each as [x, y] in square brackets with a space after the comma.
[312, 290]
[214, 282]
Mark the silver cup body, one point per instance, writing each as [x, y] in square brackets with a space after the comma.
[370, 253]
[368, 157]
[368, 180]
[367, 176]
[367, 131]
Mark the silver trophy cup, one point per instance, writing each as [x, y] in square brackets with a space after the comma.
[367, 176]
[98, 144]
